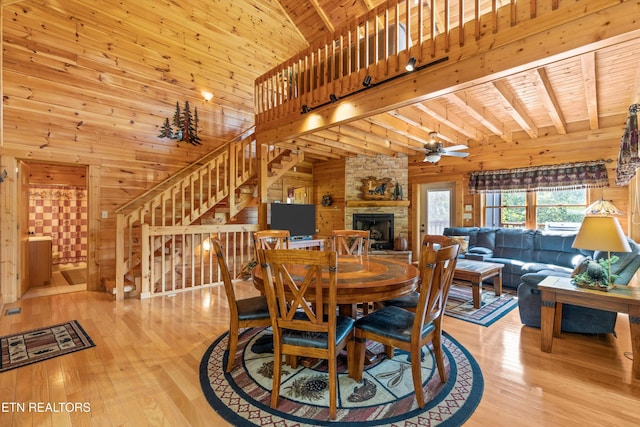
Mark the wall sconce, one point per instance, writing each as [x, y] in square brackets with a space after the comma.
[208, 96]
[411, 64]
[367, 81]
[333, 98]
[206, 244]
[305, 109]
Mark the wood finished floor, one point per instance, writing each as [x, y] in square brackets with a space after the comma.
[144, 368]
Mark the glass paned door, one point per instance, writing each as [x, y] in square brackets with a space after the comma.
[438, 201]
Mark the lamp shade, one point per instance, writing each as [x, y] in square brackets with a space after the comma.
[602, 207]
[601, 233]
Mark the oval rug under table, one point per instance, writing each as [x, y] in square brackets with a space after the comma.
[385, 396]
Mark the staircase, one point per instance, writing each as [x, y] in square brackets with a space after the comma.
[162, 235]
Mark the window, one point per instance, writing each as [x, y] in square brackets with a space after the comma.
[560, 210]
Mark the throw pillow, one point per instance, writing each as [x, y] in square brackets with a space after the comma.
[463, 241]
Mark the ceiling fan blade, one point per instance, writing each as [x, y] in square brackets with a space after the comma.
[456, 147]
[454, 154]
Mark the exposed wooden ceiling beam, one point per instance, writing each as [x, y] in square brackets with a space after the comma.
[588, 62]
[545, 92]
[515, 108]
[325, 19]
[442, 116]
[311, 148]
[416, 137]
[396, 141]
[331, 139]
[368, 139]
[356, 143]
[481, 114]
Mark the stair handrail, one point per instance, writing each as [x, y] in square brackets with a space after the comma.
[169, 182]
[239, 156]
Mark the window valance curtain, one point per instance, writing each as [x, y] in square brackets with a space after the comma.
[547, 178]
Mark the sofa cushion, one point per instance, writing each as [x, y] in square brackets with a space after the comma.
[513, 243]
[536, 267]
[555, 248]
[486, 238]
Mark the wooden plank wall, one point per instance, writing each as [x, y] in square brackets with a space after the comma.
[90, 85]
[329, 178]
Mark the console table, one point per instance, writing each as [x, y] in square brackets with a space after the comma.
[556, 291]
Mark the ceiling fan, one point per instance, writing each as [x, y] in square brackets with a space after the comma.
[435, 150]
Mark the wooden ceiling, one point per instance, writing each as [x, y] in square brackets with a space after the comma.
[579, 98]
[132, 60]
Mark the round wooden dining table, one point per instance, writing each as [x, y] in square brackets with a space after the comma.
[364, 279]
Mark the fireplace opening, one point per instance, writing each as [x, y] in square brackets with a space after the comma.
[380, 228]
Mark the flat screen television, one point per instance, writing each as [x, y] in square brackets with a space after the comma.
[300, 220]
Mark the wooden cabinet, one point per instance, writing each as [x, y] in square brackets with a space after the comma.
[39, 261]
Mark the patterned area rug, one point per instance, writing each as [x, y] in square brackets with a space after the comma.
[41, 344]
[385, 396]
[460, 305]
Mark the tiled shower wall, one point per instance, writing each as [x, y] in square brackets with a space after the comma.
[60, 212]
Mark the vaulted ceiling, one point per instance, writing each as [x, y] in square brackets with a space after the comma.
[152, 53]
[580, 97]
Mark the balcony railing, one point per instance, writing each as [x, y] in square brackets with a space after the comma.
[379, 45]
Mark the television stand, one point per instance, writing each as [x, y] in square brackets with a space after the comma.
[296, 238]
[306, 244]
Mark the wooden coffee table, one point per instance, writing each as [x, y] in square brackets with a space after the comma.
[475, 272]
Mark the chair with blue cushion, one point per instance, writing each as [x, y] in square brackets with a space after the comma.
[243, 313]
[410, 301]
[303, 312]
[408, 330]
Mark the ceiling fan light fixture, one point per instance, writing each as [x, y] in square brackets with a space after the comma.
[432, 157]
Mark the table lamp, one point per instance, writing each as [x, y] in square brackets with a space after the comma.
[602, 233]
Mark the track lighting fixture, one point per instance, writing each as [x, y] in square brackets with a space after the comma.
[367, 81]
[305, 109]
[411, 64]
[333, 98]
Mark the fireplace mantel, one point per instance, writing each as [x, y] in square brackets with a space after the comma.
[378, 203]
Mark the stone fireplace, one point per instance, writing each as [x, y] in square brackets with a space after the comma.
[380, 228]
[361, 167]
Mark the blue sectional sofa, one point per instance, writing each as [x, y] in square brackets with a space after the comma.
[531, 255]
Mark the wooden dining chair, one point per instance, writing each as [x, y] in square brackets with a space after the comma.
[243, 313]
[303, 313]
[271, 239]
[410, 301]
[408, 330]
[350, 242]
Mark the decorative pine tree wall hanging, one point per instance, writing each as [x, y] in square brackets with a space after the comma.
[184, 126]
